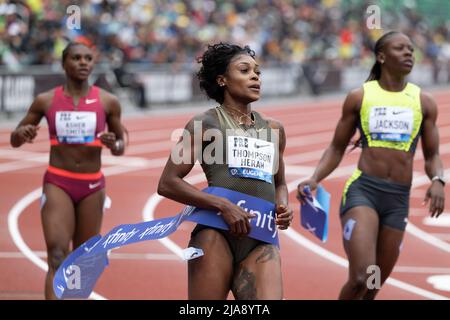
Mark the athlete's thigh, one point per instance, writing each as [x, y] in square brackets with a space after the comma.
[259, 275]
[89, 215]
[209, 276]
[388, 250]
[360, 232]
[58, 217]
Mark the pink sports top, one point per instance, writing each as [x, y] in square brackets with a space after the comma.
[80, 125]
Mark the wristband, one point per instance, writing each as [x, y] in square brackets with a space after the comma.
[438, 178]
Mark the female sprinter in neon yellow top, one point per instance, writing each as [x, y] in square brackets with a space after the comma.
[391, 114]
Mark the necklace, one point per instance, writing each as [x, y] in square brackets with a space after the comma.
[239, 117]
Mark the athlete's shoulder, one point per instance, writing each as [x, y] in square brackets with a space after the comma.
[208, 119]
[274, 123]
[426, 96]
[428, 103]
[43, 100]
[107, 97]
[207, 115]
[46, 95]
[357, 93]
[353, 100]
[110, 102]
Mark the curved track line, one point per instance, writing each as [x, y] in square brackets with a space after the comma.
[152, 203]
[13, 226]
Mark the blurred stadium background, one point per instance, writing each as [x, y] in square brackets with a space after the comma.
[147, 48]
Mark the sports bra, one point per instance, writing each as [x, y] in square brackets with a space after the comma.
[390, 119]
[80, 125]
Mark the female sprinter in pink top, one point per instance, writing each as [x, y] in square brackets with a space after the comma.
[74, 187]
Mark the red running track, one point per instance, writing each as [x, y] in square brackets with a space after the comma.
[153, 270]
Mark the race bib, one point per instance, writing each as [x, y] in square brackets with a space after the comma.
[250, 158]
[391, 123]
[75, 127]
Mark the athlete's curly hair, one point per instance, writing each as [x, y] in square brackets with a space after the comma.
[214, 62]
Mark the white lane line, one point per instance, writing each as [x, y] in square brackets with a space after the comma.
[445, 236]
[428, 238]
[440, 282]
[107, 158]
[143, 256]
[301, 157]
[23, 157]
[19, 254]
[112, 255]
[443, 221]
[412, 269]
[152, 203]
[19, 165]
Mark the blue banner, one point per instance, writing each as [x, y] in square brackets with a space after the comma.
[314, 213]
[77, 275]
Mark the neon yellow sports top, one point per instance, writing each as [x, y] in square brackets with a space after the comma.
[390, 119]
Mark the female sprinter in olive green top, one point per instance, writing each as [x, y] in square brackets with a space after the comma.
[391, 114]
[232, 260]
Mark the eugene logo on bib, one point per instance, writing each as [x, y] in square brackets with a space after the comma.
[250, 158]
[75, 127]
[391, 123]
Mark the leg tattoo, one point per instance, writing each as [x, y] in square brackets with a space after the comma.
[268, 252]
[244, 285]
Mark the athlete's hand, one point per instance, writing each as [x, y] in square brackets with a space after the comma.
[284, 216]
[301, 186]
[237, 219]
[435, 195]
[27, 133]
[108, 139]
